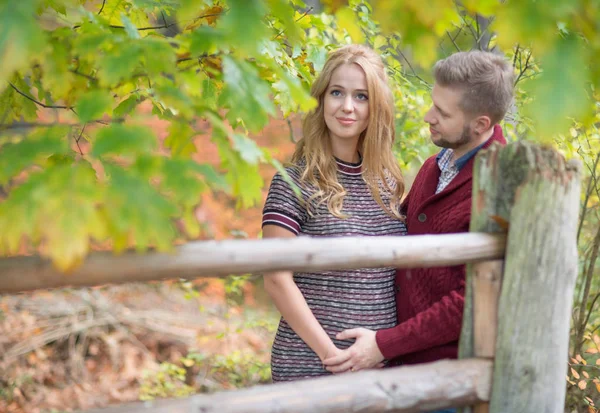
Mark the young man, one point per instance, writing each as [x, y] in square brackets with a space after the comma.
[472, 93]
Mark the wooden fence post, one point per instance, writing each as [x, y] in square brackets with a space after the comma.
[534, 194]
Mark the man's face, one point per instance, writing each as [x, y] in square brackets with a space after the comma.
[448, 124]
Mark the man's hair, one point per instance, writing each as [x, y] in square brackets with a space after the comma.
[486, 79]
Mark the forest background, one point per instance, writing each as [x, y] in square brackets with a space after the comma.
[146, 124]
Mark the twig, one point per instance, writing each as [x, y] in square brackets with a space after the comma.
[297, 20]
[91, 78]
[102, 8]
[591, 305]
[522, 71]
[37, 102]
[453, 42]
[79, 137]
[588, 193]
[412, 68]
[292, 138]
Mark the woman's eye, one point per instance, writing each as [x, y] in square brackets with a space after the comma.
[362, 96]
[336, 93]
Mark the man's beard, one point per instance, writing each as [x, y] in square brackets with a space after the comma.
[464, 139]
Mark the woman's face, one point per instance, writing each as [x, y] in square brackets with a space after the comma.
[346, 103]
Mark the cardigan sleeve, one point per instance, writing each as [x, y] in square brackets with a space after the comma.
[439, 324]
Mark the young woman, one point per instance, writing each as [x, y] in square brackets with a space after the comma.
[350, 185]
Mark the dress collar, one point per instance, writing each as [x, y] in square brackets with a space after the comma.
[349, 168]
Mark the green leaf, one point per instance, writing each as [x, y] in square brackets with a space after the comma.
[246, 94]
[14, 157]
[119, 62]
[55, 64]
[211, 176]
[284, 11]
[244, 178]
[176, 100]
[93, 105]
[246, 14]
[137, 213]
[22, 106]
[207, 40]
[42, 210]
[247, 148]
[317, 55]
[126, 106]
[119, 139]
[180, 180]
[159, 56]
[180, 140]
[21, 37]
[130, 28]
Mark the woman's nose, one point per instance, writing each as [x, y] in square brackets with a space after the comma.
[348, 106]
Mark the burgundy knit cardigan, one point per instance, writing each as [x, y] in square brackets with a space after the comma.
[430, 300]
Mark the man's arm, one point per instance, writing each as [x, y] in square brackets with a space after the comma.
[439, 324]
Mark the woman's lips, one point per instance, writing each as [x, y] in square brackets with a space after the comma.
[346, 121]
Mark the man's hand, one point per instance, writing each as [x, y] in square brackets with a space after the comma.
[363, 354]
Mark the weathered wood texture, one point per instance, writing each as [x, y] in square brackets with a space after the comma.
[537, 288]
[535, 192]
[222, 258]
[422, 388]
[487, 280]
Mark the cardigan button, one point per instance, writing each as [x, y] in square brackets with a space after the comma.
[397, 288]
[422, 217]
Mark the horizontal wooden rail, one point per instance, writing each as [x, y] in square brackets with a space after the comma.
[426, 387]
[222, 258]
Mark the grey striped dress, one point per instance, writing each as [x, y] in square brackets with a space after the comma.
[338, 299]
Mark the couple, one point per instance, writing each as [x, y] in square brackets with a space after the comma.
[351, 185]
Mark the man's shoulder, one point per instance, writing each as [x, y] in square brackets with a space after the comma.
[429, 165]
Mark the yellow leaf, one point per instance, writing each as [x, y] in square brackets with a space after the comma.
[578, 357]
[574, 373]
[592, 351]
[574, 360]
[598, 362]
[585, 374]
[582, 384]
[591, 409]
[346, 18]
[597, 387]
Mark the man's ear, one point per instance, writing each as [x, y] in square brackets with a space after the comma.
[481, 124]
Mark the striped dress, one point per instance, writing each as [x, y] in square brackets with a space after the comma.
[339, 299]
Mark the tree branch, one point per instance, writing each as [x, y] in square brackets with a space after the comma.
[79, 137]
[588, 193]
[589, 274]
[102, 8]
[37, 102]
[587, 318]
[413, 69]
[453, 42]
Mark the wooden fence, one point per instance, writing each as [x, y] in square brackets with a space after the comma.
[521, 260]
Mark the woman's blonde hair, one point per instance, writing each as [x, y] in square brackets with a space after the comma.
[314, 152]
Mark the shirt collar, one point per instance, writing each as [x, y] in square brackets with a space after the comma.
[445, 155]
[349, 168]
